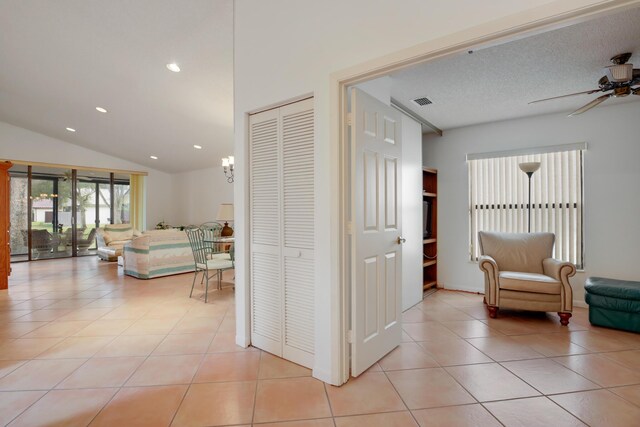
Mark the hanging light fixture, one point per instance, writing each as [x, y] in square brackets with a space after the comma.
[227, 166]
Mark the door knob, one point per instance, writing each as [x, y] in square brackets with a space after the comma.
[401, 240]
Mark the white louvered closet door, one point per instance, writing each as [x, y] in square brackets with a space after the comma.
[282, 223]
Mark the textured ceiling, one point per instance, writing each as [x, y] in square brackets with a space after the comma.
[61, 59]
[496, 83]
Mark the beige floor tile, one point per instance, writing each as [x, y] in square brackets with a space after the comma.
[550, 345]
[225, 342]
[323, 422]
[471, 329]
[456, 416]
[600, 370]
[599, 408]
[428, 388]
[217, 404]
[197, 325]
[549, 377]
[509, 325]
[151, 327]
[390, 419]
[503, 348]
[26, 348]
[141, 406]
[407, 356]
[99, 328]
[491, 381]
[39, 374]
[452, 352]
[184, 344]
[44, 315]
[65, 408]
[630, 393]
[533, 412]
[427, 331]
[415, 315]
[369, 393]
[102, 372]
[19, 329]
[241, 366]
[599, 342]
[141, 345]
[75, 347]
[8, 366]
[86, 314]
[13, 403]
[629, 359]
[290, 399]
[58, 329]
[274, 367]
[165, 370]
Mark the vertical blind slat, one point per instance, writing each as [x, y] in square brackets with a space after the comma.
[498, 198]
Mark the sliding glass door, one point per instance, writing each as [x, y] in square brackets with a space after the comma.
[55, 212]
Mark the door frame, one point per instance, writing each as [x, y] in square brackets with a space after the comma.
[557, 14]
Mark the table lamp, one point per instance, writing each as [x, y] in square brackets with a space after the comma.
[225, 213]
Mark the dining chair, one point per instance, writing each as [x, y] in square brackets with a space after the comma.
[210, 267]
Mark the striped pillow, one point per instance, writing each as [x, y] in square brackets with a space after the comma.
[119, 231]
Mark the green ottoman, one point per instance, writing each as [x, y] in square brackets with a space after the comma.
[613, 303]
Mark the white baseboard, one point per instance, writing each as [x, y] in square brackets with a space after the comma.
[580, 303]
[472, 289]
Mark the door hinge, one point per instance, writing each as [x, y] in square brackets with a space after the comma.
[349, 119]
[350, 336]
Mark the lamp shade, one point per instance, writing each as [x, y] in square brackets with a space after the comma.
[225, 212]
[529, 167]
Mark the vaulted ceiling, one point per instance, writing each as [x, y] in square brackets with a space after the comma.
[62, 59]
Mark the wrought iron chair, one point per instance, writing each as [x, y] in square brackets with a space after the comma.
[202, 255]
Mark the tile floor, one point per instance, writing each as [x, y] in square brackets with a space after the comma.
[81, 344]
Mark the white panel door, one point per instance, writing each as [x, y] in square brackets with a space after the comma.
[376, 283]
[265, 263]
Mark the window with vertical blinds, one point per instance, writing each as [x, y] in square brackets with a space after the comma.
[498, 196]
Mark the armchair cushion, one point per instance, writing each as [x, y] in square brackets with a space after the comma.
[119, 231]
[517, 251]
[529, 282]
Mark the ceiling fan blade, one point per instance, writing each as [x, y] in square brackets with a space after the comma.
[590, 105]
[586, 92]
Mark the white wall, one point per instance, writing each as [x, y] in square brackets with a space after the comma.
[611, 187]
[199, 194]
[17, 143]
[411, 212]
[289, 48]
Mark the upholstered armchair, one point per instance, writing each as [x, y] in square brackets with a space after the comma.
[520, 273]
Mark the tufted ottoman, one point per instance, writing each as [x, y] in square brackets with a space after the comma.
[613, 303]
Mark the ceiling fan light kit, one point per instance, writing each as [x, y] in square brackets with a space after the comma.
[619, 80]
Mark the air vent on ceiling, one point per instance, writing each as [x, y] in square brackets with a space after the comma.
[422, 101]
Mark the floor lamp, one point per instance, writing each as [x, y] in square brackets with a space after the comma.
[529, 168]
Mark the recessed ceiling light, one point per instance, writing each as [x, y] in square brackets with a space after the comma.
[71, 129]
[173, 67]
[102, 110]
[198, 147]
[154, 157]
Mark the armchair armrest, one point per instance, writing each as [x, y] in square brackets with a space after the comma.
[490, 268]
[561, 271]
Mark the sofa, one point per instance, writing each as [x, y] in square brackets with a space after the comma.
[158, 253]
[112, 238]
[613, 303]
[520, 273]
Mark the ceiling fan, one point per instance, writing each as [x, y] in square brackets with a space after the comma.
[619, 82]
